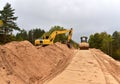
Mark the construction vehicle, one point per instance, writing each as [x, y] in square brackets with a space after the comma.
[1, 23]
[84, 45]
[47, 40]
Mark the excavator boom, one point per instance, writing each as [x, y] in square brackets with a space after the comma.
[50, 39]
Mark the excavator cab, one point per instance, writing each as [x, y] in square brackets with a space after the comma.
[84, 45]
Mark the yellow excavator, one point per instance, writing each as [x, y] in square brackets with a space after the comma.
[84, 45]
[1, 23]
[50, 39]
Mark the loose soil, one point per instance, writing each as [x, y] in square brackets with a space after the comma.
[23, 63]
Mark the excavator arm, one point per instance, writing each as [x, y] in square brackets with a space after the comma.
[51, 38]
[53, 35]
[70, 35]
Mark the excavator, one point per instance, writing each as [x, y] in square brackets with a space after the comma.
[84, 45]
[47, 40]
[1, 23]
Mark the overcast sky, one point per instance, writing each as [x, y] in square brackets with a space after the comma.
[84, 16]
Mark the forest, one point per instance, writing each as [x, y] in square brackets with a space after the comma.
[110, 44]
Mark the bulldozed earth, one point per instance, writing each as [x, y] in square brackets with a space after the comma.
[24, 63]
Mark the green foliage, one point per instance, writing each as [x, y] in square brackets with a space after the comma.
[116, 45]
[22, 35]
[31, 35]
[95, 41]
[101, 41]
[107, 43]
[7, 16]
[8, 38]
[35, 34]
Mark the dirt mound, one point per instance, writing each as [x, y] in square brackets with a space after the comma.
[23, 63]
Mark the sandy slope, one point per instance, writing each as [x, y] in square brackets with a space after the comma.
[23, 63]
[89, 67]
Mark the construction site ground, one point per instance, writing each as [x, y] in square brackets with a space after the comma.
[23, 63]
[89, 67]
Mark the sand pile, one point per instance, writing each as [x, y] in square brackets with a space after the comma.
[23, 63]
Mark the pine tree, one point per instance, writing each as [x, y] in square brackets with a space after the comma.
[7, 15]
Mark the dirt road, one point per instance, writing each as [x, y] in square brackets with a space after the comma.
[89, 67]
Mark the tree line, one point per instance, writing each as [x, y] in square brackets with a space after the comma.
[110, 44]
[31, 35]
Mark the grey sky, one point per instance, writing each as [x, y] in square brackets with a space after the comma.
[84, 16]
